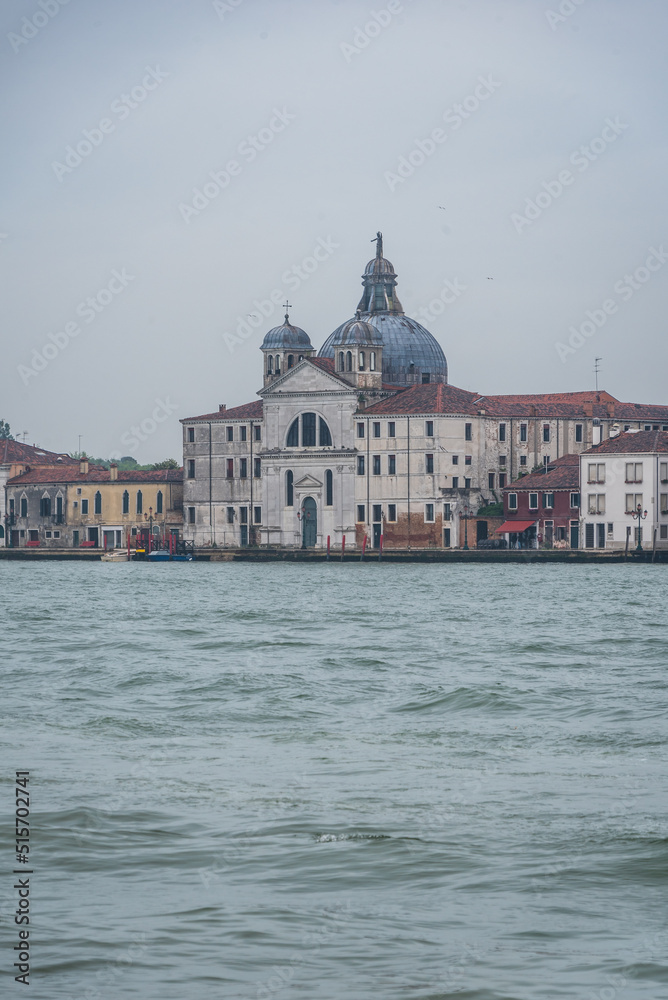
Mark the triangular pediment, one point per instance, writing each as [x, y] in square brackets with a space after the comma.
[308, 483]
[305, 377]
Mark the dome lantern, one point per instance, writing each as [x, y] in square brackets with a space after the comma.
[283, 347]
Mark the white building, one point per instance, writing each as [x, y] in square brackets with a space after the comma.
[621, 477]
[368, 438]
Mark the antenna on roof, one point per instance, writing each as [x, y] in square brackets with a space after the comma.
[597, 369]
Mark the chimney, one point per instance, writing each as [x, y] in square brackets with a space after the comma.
[222, 407]
[611, 409]
[83, 466]
[588, 408]
[113, 472]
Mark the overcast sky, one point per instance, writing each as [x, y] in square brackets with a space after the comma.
[305, 111]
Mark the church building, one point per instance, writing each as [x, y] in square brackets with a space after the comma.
[366, 437]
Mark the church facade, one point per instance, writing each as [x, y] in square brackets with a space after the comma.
[368, 438]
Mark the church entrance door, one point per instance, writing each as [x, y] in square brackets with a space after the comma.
[309, 523]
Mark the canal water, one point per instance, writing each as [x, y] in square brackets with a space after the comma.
[338, 781]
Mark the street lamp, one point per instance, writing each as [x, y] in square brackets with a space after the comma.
[639, 515]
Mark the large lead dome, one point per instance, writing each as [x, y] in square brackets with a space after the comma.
[410, 353]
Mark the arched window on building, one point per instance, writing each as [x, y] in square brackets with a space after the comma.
[158, 502]
[349, 361]
[372, 361]
[325, 438]
[277, 365]
[98, 502]
[24, 506]
[140, 502]
[270, 364]
[126, 502]
[361, 361]
[291, 360]
[329, 488]
[341, 361]
[293, 434]
[309, 423]
[289, 490]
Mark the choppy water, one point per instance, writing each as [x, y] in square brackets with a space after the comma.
[300, 781]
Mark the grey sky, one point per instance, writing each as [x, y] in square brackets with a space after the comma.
[346, 118]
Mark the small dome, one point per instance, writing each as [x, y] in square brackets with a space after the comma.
[357, 332]
[286, 336]
[379, 265]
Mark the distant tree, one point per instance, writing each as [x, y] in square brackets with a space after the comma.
[168, 463]
[4, 432]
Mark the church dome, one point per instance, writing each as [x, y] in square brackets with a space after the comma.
[287, 336]
[411, 354]
[357, 332]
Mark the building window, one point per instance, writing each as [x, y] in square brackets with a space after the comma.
[455, 482]
[596, 503]
[340, 366]
[391, 429]
[360, 430]
[84, 506]
[468, 432]
[429, 428]
[455, 459]
[376, 465]
[293, 434]
[426, 378]
[548, 500]
[140, 502]
[48, 534]
[324, 438]
[308, 430]
[533, 501]
[663, 472]
[270, 364]
[230, 515]
[360, 465]
[372, 361]
[361, 361]
[191, 468]
[158, 502]
[578, 433]
[257, 515]
[596, 472]
[524, 432]
[502, 480]
[45, 507]
[257, 432]
[242, 433]
[392, 512]
[523, 460]
[291, 361]
[502, 459]
[490, 480]
[24, 507]
[648, 427]
[376, 430]
[126, 502]
[611, 527]
[664, 503]
[230, 433]
[467, 484]
[361, 513]
[191, 434]
[633, 501]
[230, 469]
[429, 512]
[468, 459]
[377, 512]
[663, 531]
[97, 502]
[634, 472]
[429, 464]
[447, 512]
[512, 501]
[243, 515]
[349, 361]
[502, 432]
[56, 534]
[546, 432]
[191, 515]
[257, 468]
[329, 488]
[243, 468]
[289, 490]
[575, 499]
[391, 465]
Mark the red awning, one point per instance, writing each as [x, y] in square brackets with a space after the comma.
[515, 526]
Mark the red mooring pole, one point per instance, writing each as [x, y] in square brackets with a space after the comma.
[363, 547]
[343, 546]
[380, 549]
[328, 546]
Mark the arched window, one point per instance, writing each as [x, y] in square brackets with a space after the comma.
[126, 502]
[361, 360]
[349, 361]
[308, 430]
[98, 502]
[289, 491]
[329, 488]
[291, 360]
[277, 365]
[341, 362]
[301, 357]
[270, 364]
[24, 506]
[325, 438]
[293, 436]
[140, 502]
[372, 361]
[158, 503]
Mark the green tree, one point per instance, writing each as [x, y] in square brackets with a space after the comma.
[4, 432]
[168, 463]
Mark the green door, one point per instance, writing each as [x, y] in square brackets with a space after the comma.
[309, 523]
[575, 535]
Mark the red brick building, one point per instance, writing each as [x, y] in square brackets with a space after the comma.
[543, 509]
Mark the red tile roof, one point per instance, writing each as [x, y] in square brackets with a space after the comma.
[435, 397]
[248, 411]
[564, 474]
[71, 474]
[12, 452]
[642, 442]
